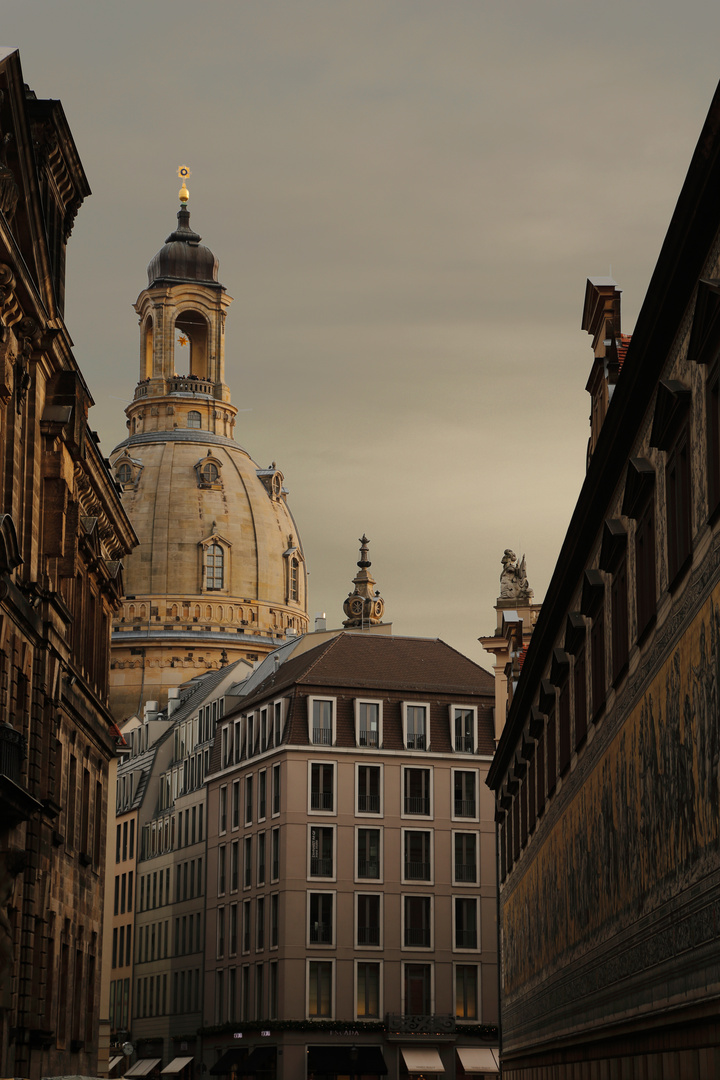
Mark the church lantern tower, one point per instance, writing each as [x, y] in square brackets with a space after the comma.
[364, 606]
[219, 573]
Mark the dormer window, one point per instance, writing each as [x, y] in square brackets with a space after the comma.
[124, 473]
[210, 473]
[294, 579]
[194, 420]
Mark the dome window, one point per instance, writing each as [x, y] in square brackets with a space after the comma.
[127, 469]
[294, 573]
[210, 473]
[214, 567]
[207, 470]
[293, 579]
[124, 473]
[194, 420]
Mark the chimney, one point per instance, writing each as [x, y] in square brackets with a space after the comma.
[320, 621]
[173, 700]
[152, 708]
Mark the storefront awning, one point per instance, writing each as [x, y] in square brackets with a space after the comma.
[231, 1059]
[422, 1059]
[176, 1065]
[143, 1066]
[480, 1060]
[337, 1059]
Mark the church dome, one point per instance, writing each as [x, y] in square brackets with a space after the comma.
[183, 258]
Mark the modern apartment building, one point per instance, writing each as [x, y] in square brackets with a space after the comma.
[351, 898]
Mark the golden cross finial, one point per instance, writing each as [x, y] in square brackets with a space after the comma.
[183, 194]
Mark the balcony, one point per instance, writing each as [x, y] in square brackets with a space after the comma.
[415, 742]
[321, 800]
[189, 384]
[368, 935]
[321, 867]
[368, 868]
[322, 736]
[417, 937]
[464, 744]
[466, 872]
[416, 804]
[417, 871]
[368, 804]
[465, 808]
[320, 933]
[368, 738]
[466, 939]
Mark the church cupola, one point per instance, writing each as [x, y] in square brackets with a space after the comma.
[364, 607]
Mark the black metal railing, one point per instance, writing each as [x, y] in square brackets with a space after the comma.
[466, 871]
[368, 935]
[416, 804]
[417, 936]
[464, 808]
[417, 871]
[321, 867]
[466, 939]
[368, 868]
[368, 738]
[322, 736]
[464, 744]
[321, 800]
[320, 933]
[368, 804]
[415, 742]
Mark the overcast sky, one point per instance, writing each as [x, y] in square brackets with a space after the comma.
[406, 198]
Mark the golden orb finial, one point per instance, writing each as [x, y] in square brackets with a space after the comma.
[183, 194]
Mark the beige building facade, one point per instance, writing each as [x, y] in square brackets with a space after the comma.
[351, 892]
[219, 574]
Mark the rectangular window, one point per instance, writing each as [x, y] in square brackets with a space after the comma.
[368, 919]
[222, 824]
[597, 659]
[233, 929]
[619, 617]
[321, 851]
[368, 990]
[260, 924]
[259, 992]
[417, 932]
[247, 862]
[416, 727]
[418, 990]
[246, 930]
[417, 791]
[465, 922]
[131, 853]
[551, 751]
[580, 694]
[276, 789]
[368, 723]
[678, 503]
[464, 794]
[277, 722]
[273, 1002]
[322, 786]
[275, 855]
[248, 800]
[466, 992]
[221, 869]
[465, 851]
[320, 931]
[236, 804]
[274, 901]
[320, 988]
[564, 725]
[417, 864]
[261, 858]
[234, 860]
[322, 715]
[220, 932]
[368, 853]
[645, 587]
[464, 723]
[262, 794]
[368, 789]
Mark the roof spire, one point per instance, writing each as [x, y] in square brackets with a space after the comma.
[183, 194]
[364, 607]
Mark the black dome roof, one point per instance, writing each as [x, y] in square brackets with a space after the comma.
[183, 257]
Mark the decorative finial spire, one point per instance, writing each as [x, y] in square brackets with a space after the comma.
[364, 607]
[183, 194]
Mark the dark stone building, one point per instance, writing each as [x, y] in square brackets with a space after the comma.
[63, 535]
[606, 776]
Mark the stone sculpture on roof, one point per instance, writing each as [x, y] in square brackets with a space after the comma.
[514, 584]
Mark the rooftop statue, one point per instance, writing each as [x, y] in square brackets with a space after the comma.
[514, 584]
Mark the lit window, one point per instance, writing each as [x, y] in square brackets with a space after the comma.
[214, 566]
[194, 420]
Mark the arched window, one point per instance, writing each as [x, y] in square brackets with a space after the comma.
[124, 473]
[293, 579]
[210, 473]
[194, 419]
[214, 566]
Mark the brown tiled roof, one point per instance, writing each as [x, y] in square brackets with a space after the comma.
[380, 663]
[625, 340]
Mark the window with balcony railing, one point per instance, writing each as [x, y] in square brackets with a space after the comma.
[322, 722]
[368, 853]
[465, 858]
[416, 799]
[416, 727]
[465, 923]
[417, 856]
[322, 786]
[321, 919]
[321, 851]
[417, 932]
[368, 792]
[464, 794]
[368, 723]
[464, 731]
[368, 919]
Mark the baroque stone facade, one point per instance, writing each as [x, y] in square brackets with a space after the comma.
[63, 536]
[219, 574]
[606, 777]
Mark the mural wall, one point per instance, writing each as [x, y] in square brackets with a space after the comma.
[643, 825]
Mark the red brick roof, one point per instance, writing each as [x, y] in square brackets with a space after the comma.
[625, 340]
